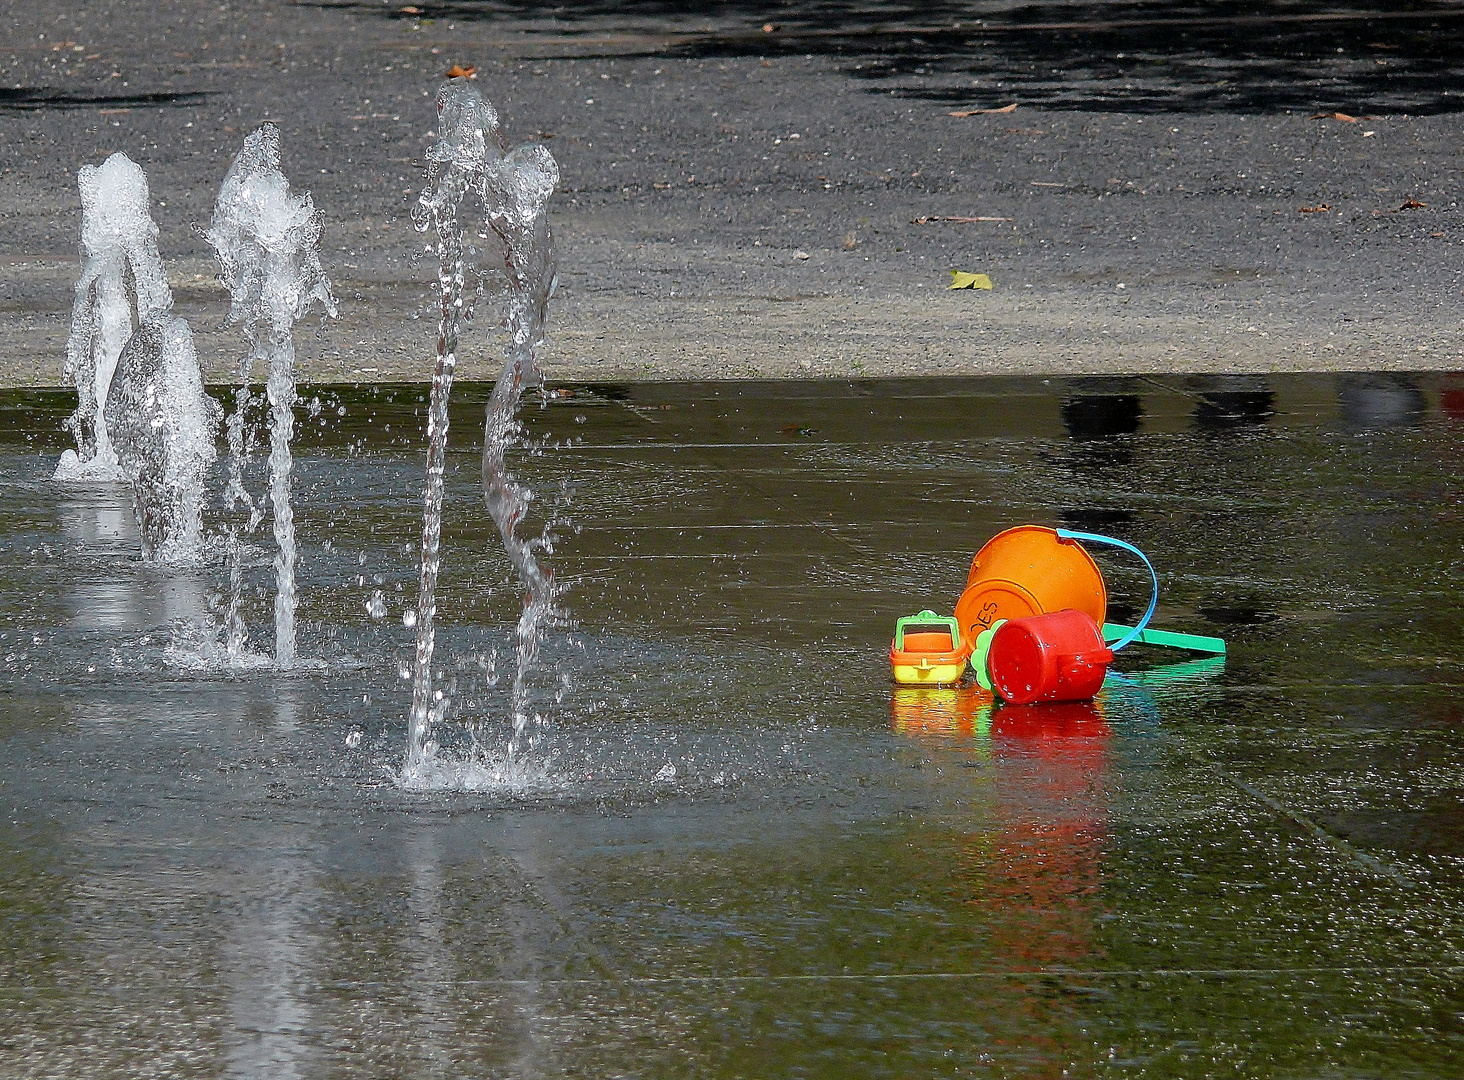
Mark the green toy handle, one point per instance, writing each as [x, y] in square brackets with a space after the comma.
[1146, 636]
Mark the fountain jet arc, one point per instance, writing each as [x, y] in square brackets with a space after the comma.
[513, 188]
[119, 240]
[267, 240]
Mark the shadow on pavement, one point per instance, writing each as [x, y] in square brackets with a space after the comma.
[1136, 56]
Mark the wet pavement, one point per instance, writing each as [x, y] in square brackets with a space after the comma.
[747, 854]
[1173, 191]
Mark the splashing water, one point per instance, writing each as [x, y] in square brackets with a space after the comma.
[513, 187]
[267, 240]
[118, 238]
[164, 428]
[515, 195]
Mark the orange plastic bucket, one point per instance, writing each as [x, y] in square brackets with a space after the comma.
[1029, 571]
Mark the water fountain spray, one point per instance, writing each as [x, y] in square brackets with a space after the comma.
[267, 238]
[163, 428]
[515, 195]
[118, 239]
[471, 155]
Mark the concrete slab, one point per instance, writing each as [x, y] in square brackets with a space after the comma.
[733, 206]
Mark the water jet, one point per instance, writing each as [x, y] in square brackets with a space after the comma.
[267, 241]
[513, 188]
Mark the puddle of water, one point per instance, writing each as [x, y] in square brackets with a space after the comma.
[735, 848]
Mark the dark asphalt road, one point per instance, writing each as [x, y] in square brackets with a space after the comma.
[741, 201]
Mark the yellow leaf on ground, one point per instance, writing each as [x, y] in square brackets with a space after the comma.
[962, 280]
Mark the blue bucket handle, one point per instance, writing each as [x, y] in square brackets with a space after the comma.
[1096, 538]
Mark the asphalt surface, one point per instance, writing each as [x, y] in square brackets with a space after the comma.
[766, 190]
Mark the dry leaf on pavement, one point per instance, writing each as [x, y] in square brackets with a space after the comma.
[956, 220]
[984, 112]
[962, 280]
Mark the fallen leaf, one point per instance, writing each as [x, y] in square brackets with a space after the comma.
[962, 280]
[956, 220]
[1412, 204]
[457, 71]
[1320, 208]
[1335, 116]
[984, 112]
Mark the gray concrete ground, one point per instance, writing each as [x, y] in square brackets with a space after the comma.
[737, 215]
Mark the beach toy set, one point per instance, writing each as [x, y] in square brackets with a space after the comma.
[1030, 622]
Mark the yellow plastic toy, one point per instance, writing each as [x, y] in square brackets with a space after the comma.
[928, 650]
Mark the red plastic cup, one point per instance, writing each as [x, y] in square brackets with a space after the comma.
[1059, 656]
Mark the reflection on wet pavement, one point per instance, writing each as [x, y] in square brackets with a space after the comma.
[750, 853]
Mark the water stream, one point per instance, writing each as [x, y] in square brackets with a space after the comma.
[267, 241]
[122, 285]
[513, 189]
[164, 428]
